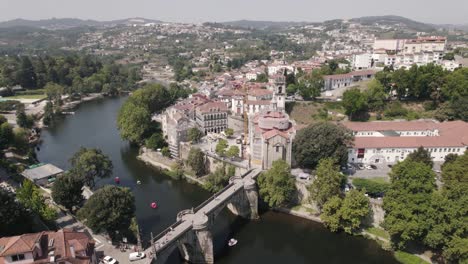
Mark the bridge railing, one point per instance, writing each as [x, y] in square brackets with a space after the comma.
[218, 193]
[165, 231]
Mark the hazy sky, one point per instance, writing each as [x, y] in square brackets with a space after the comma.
[433, 11]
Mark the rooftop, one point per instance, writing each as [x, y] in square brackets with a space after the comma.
[41, 172]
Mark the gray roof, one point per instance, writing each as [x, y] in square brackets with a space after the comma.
[41, 172]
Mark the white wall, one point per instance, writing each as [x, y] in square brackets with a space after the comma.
[391, 155]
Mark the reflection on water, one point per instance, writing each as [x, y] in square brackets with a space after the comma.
[276, 238]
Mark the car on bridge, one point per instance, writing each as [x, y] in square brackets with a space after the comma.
[109, 260]
[136, 256]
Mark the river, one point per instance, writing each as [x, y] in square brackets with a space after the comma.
[275, 238]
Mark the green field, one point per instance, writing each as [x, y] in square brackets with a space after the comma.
[378, 232]
[407, 258]
[26, 96]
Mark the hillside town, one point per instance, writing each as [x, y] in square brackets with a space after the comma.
[124, 141]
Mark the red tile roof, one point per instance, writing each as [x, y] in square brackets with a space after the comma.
[212, 107]
[451, 134]
[274, 132]
[391, 125]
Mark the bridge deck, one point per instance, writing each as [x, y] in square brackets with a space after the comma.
[179, 228]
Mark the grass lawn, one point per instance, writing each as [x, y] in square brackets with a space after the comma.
[308, 112]
[378, 180]
[378, 232]
[407, 258]
[26, 96]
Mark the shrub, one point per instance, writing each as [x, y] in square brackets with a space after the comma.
[395, 109]
[373, 188]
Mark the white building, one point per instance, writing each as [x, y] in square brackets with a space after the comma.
[392, 141]
[362, 61]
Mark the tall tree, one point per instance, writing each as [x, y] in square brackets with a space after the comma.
[196, 160]
[407, 203]
[133, 122]
[109, 209]
[87, 164]
[421, 155]
[319, 141]
[276, 186]
[26, 76]
[194, 134]
[354, 210]
[67, 191]
[327, 183]
[14, 218]
[30, 197]
[355, 103]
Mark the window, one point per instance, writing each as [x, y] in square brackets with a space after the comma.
[17, 257]
[277, 148]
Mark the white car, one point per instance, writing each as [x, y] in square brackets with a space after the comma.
[368, 167]
[136, 256]
[109, 260]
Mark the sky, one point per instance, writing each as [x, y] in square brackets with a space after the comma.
[194, 11]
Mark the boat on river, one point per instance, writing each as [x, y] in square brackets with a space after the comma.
[232, 242]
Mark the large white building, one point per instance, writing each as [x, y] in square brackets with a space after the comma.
[392, 141]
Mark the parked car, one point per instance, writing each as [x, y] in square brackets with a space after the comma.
[361, 166]
[109, 260]
[373, 167]
[136, 256]
[390, 166]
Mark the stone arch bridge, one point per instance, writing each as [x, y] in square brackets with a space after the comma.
[191, 233]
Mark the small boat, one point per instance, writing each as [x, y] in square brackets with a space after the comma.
[154, 205]
[232, 242]
[117, 180]
[138, 182]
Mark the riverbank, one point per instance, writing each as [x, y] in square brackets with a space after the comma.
[403, 257]
[157, 160]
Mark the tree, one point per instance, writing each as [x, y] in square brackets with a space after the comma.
[54, 92]
[166, 152]
[26, 76]
[6, 135]
[233, 152]
[450, 158]
[196, 160]
[48, 113]
[14, 218]
[376, 95]
[448, 218]
[355, 103]
[221, 147]
[319, 141]
[276, 186]
[133, 122]
[408, 202]
[87, 164]
[20, 139]
[331, 213]
[30, 197]
[348, 213]
[194, 134]
[327, 183]
[3, 119]
[219, 178]
[22, 119]
[156, 141]
[354, 210]
[229, 132]
[67, 191]
[421, 155]
[109, 209]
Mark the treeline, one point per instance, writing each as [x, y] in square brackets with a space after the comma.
[444, 92]
[77, 73]
[417, 213]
